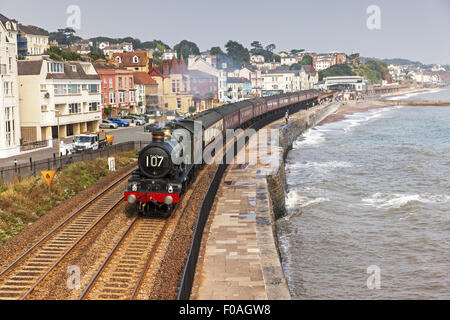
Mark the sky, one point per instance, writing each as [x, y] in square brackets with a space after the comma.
[412, 29]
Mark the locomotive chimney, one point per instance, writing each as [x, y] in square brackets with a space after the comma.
[158, 136]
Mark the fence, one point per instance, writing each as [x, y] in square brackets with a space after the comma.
[33, 168]
[208, 201]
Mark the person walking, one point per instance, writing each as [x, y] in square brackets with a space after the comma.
[286, 116]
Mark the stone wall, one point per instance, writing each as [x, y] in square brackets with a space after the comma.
[276, 176]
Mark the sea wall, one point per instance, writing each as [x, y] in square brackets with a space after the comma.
[288, 134]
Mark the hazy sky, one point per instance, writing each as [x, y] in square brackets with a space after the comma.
[412, 29]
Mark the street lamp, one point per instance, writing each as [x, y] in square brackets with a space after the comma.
[58, 114]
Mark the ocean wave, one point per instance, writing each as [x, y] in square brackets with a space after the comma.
[395, 200]
[311, 137]
[356, 119]
[296, 199]
[319, 166]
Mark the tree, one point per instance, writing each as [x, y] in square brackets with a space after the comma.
[58, 54]
[238, 53]
[271, 47]
[216, 51]
[296, 51]
[186, 48]
[96, 55]
[307, 60]
[257, 47]
[64, 36]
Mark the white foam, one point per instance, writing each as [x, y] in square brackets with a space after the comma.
[395, 200]
[310, 138]
[296, 199]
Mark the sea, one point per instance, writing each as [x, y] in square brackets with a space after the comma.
[368, 202]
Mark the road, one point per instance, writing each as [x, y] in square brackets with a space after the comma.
[120, 135]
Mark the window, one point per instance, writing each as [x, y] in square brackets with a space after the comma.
[43, 87]
[112, 98]
[74, 68]
[178, 103]
[110, 83]
[120, 83]
[93, 88]
[94, 106]
[60, 89]
[132, 94]
[174, 86]
[131, 82]
[9, 125]
[73, 89]
[55, 67]
[43, 108]
[121, 97]
[135, 59]
[74, 108]
[7, 88]
[10, 64]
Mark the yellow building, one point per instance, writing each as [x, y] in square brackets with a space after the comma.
[138, 61]
[174, 86]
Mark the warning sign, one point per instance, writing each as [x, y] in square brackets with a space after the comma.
[110, 139]
[48, 176]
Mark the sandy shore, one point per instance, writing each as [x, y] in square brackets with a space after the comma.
[351, 107]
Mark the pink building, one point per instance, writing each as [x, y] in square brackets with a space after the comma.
[117, 87]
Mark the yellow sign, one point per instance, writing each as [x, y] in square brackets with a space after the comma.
[48, 176]
[110, 139]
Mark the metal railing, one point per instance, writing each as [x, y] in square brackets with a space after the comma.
[21, 171]
[33, 145]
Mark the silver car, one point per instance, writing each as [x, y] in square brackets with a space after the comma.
[106, 124]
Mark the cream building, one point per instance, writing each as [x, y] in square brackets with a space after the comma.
[9, 102]
[58, 99]
[32, 40]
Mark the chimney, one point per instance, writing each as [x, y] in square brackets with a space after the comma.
[165, 68]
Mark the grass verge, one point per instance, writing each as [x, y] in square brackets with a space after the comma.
[24, 202]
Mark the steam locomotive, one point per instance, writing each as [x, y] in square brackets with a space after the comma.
[170, 162]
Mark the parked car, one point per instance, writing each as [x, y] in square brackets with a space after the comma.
[106, 124]
[120, 122]
[135, 119]
[154, 113]
[171, 115]
[151, 127]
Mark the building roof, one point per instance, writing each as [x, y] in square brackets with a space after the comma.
[143, 78]
[33, 30]
[3, 19]
[28, 68]
[69, 73]
[127, 59]
[200, 74]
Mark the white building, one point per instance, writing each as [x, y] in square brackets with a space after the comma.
[257, 59]
[169, 54]
[9, 100]
[289, 60]
[32, 40]
[322, 62]
[278, 81]
[58, 99]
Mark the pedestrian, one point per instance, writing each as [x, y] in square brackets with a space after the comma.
[286, 116]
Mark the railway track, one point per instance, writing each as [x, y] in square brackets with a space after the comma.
[121, 274]
[22, 276]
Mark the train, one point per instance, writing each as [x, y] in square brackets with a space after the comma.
[158, 183]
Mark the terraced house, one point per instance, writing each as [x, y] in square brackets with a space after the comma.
[117, 88]
[9, 102]
[58, 99]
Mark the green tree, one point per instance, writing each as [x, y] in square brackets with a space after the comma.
[186, 48]
[238, 53]
[307, 60]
